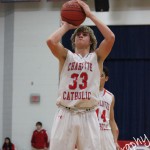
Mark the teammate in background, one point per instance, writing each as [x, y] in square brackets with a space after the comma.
[39, 139]
[78, 94]
[108, 128]
[8, 145]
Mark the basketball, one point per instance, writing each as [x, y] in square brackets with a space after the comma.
[72, 13]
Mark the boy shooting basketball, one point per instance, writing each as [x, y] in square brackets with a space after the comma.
[76, 121]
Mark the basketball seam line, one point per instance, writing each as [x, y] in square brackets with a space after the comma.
[73, 10]
[71, 19]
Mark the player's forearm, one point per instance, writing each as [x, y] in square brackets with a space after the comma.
[57, 35]
[106, 32]
[115, 130]
[115, 135]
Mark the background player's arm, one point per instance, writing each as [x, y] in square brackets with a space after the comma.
[113, 124]
[106, 45]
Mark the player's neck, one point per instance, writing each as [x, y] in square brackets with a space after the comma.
[101, 88]
[82, 52]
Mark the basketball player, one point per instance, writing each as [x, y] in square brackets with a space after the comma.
[108, 127]
[78, 94]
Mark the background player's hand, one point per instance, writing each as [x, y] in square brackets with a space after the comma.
[117, 146]
[85, 7]
[67, 25]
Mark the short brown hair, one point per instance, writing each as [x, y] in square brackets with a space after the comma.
[39, 123]
[91, 33]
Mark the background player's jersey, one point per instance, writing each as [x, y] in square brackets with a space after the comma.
[104, 109]
[79, 81]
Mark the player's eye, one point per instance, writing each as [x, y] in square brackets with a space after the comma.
[102, 75]
[85, 34]
[78, 34]
[82, 33]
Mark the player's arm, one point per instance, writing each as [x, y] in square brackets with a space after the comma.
[113, 124]
[106, 45]
[54, 43]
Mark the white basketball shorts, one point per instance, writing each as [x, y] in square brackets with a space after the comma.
[70, 129]
[107, 140]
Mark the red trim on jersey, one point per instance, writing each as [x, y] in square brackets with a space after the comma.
[97, 111]
[107, 92]
[104, 92]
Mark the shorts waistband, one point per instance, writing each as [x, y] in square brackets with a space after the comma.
[78, 110]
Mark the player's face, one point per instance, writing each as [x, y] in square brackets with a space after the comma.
[103, 79]
[82, 40]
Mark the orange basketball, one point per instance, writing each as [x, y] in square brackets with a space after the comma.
[72, 13]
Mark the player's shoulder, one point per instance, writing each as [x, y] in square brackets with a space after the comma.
[70, 54]
[108, 92]
[93, 54]
[109, 96]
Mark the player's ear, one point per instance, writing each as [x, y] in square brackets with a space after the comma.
[106, 78]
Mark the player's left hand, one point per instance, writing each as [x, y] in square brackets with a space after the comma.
[117, 146]
[85, 7]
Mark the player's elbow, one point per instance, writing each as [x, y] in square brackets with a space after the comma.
[117, 130]
[50, 42]
[111, 38]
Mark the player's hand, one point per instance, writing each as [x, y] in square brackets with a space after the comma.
[117, 146]
[85, 7]
[67, 25]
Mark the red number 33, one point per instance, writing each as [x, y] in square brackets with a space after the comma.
[82, 85]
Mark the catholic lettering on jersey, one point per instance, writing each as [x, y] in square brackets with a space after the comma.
[104, 109]
[79, 81]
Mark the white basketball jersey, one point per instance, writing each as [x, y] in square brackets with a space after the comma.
[79, 81]
[104, 109]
